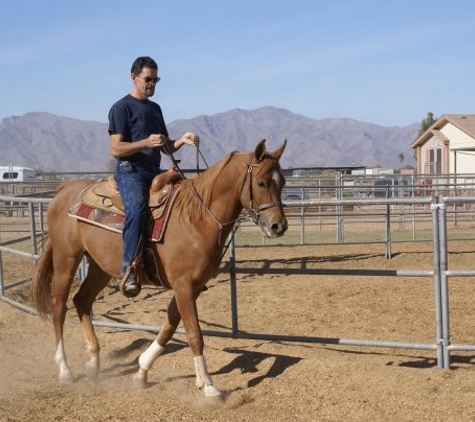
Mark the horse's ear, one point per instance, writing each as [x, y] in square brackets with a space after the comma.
[260, 150]
[278, 153]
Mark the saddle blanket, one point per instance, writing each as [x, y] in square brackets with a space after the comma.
[113, 220]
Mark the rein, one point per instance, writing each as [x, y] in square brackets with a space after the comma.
[198, 155]
[220, 224]
[175, 162]
[253, 212]
[165, 148]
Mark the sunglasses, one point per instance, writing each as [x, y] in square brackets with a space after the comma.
[149, 79]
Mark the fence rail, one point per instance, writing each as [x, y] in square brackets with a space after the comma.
[440, 273]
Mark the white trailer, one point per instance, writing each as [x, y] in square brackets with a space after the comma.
[12, 174]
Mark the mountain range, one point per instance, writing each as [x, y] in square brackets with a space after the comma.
[56, 143]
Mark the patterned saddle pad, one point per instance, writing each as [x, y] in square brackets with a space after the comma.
[101, 205]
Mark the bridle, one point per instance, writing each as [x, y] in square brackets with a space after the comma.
[254, 209]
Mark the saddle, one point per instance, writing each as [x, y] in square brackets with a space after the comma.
[100, 204]
[105, 194]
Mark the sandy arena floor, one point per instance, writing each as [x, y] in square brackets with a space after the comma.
[261, 380]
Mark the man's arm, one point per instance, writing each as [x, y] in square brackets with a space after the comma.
[187, 138]
[120, 148]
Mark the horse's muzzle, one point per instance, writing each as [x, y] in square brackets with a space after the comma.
[272, 228]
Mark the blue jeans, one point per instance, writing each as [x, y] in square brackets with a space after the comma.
[134, 185]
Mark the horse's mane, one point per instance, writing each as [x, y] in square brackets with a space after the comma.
[188, 205]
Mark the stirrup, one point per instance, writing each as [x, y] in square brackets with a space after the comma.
[129, 285]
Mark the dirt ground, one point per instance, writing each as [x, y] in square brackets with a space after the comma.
[261, 380]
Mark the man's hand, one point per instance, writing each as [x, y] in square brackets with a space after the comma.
[156, 141]
[190, 139]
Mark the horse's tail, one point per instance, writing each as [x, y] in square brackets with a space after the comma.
[41, 287]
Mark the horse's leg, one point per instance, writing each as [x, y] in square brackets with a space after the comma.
[186, 303]
[94, 282]
[157, 347]
[64, 270]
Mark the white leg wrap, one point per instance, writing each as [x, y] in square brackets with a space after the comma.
[147, 358]
[203, 378]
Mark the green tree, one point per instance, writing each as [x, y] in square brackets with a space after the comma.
[400, 157]
[427, 123]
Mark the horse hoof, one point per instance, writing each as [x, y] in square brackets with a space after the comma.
[214, 400]
[66, 379]
[211, 391]
[139, 383]
[92, 373]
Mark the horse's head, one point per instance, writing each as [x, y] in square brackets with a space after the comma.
[262, 198]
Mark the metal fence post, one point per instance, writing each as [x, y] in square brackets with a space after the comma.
[388, 254]
[339, 210]
[31, 211]
[232, 275]
[437, 292]
[444, 286]
[2, 287]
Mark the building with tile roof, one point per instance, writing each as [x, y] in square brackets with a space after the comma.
[448, 146]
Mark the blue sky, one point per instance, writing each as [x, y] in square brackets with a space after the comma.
[383, 62]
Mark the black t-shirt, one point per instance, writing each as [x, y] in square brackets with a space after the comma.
[136, 120]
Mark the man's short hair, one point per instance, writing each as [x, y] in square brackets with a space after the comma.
[141, 62]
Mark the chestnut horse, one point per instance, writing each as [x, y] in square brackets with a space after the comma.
[204, 214]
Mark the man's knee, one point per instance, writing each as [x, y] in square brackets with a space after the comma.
[136, 212]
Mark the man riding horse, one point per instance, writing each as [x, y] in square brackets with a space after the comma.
[137, 134]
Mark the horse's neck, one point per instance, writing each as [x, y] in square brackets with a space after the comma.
[225, 203]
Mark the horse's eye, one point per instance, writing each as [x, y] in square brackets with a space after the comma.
[261, 185]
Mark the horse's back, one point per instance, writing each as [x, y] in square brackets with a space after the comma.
[67, 195]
